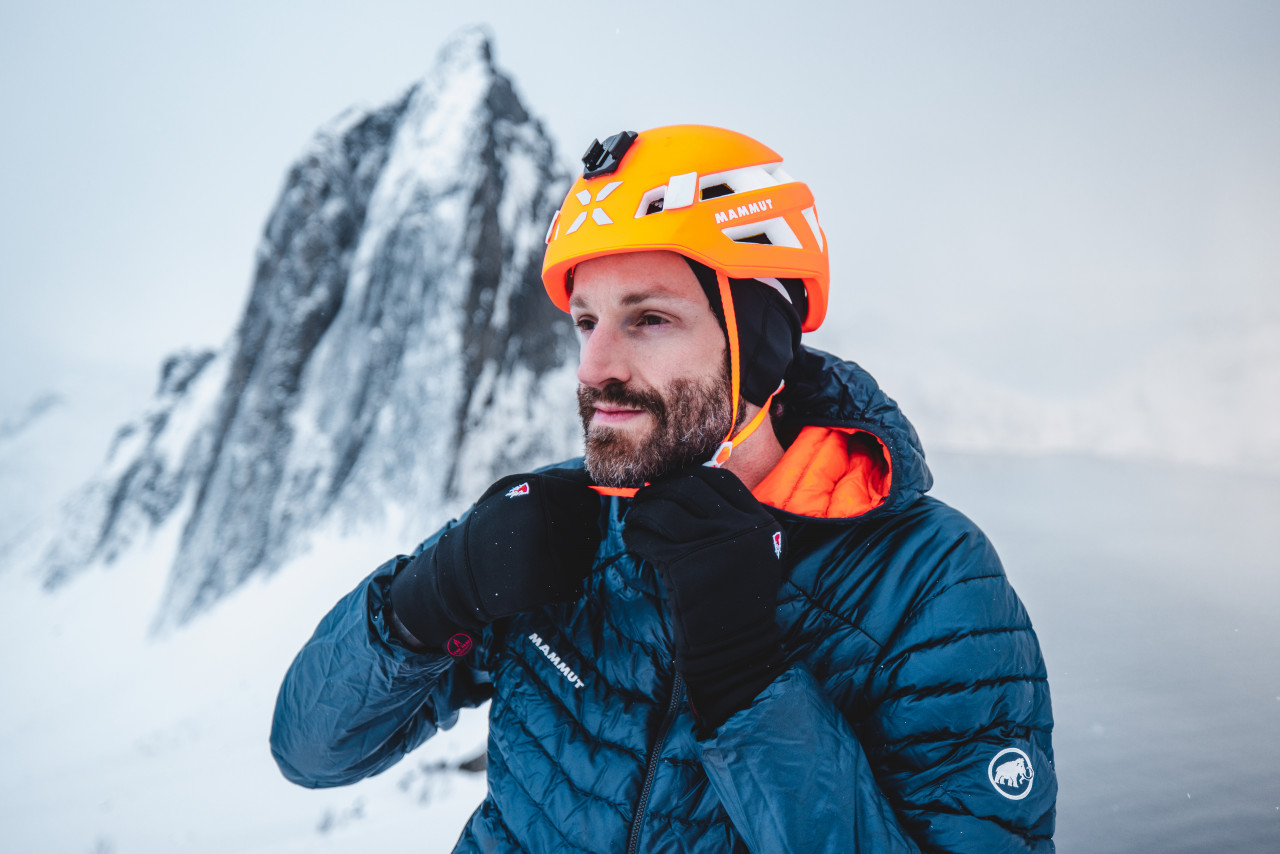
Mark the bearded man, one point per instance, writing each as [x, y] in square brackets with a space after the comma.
[738, 623]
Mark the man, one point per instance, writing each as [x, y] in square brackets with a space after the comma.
[738, 623]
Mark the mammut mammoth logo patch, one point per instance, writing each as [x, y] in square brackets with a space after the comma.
[777, 545]
[1011, 773]
[522, 489]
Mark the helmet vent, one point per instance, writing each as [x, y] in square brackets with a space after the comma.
[775, 232]
[742, 180]
[652, 202]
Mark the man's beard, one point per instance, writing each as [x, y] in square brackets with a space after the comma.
[690, 421]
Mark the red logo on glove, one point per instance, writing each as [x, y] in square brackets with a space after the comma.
[522, 489]
[459, 645]
[777, 545]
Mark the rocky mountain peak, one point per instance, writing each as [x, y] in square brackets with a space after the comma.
[396, 349]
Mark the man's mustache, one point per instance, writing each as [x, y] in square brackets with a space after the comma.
[618, 394]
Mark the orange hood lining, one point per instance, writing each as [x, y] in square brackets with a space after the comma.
[829, 473]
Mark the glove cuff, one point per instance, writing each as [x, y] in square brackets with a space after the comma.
[429, 604]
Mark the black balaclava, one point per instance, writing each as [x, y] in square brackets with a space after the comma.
[768, 327]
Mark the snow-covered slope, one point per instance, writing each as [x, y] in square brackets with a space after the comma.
[54, 441]
[115, 741]
[396, 351]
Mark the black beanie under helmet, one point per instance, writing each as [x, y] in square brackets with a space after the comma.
[768, 327]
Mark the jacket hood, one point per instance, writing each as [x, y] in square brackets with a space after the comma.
[825, 391]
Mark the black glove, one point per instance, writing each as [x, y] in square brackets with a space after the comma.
[719, 553]
[528, 541]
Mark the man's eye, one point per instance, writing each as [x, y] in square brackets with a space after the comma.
[584, 324]
[652, 320]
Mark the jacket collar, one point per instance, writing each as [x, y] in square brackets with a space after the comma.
[850, 450]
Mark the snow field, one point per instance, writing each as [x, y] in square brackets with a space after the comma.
[119, 741]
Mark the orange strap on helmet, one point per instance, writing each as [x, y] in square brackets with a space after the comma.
[721, 456]
[735, 366]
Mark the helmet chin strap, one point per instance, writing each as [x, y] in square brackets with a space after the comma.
[725, 450]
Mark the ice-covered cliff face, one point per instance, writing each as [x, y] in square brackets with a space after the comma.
[397, 352]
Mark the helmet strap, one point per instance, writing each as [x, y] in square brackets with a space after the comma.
[735, 350]
[725, 450]
[721, 456]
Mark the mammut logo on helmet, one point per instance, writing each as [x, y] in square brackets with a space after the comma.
[1011, 774]
[744, 210]
[516, 491]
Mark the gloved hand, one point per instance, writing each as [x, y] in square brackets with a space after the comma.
[719, 554]
[528, 541]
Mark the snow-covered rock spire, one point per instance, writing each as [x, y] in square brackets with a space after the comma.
[397, 349]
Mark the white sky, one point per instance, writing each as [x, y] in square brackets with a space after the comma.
[1036, 193]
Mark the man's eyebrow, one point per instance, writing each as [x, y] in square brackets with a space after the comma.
[633, 298]
[637, 297]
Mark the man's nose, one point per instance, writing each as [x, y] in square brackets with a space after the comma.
[603, 358]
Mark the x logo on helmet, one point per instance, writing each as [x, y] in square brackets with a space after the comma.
[598, 216]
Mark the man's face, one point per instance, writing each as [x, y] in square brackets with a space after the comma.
[654, 389]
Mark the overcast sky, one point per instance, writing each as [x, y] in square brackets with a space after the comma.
[1037, 193]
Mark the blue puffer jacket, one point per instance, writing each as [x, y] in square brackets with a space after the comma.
[914, 714]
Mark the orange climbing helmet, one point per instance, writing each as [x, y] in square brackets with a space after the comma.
[713, 195]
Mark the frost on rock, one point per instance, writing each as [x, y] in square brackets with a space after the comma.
[396, 349]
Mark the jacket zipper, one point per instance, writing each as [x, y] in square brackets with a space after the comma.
[651, 768]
